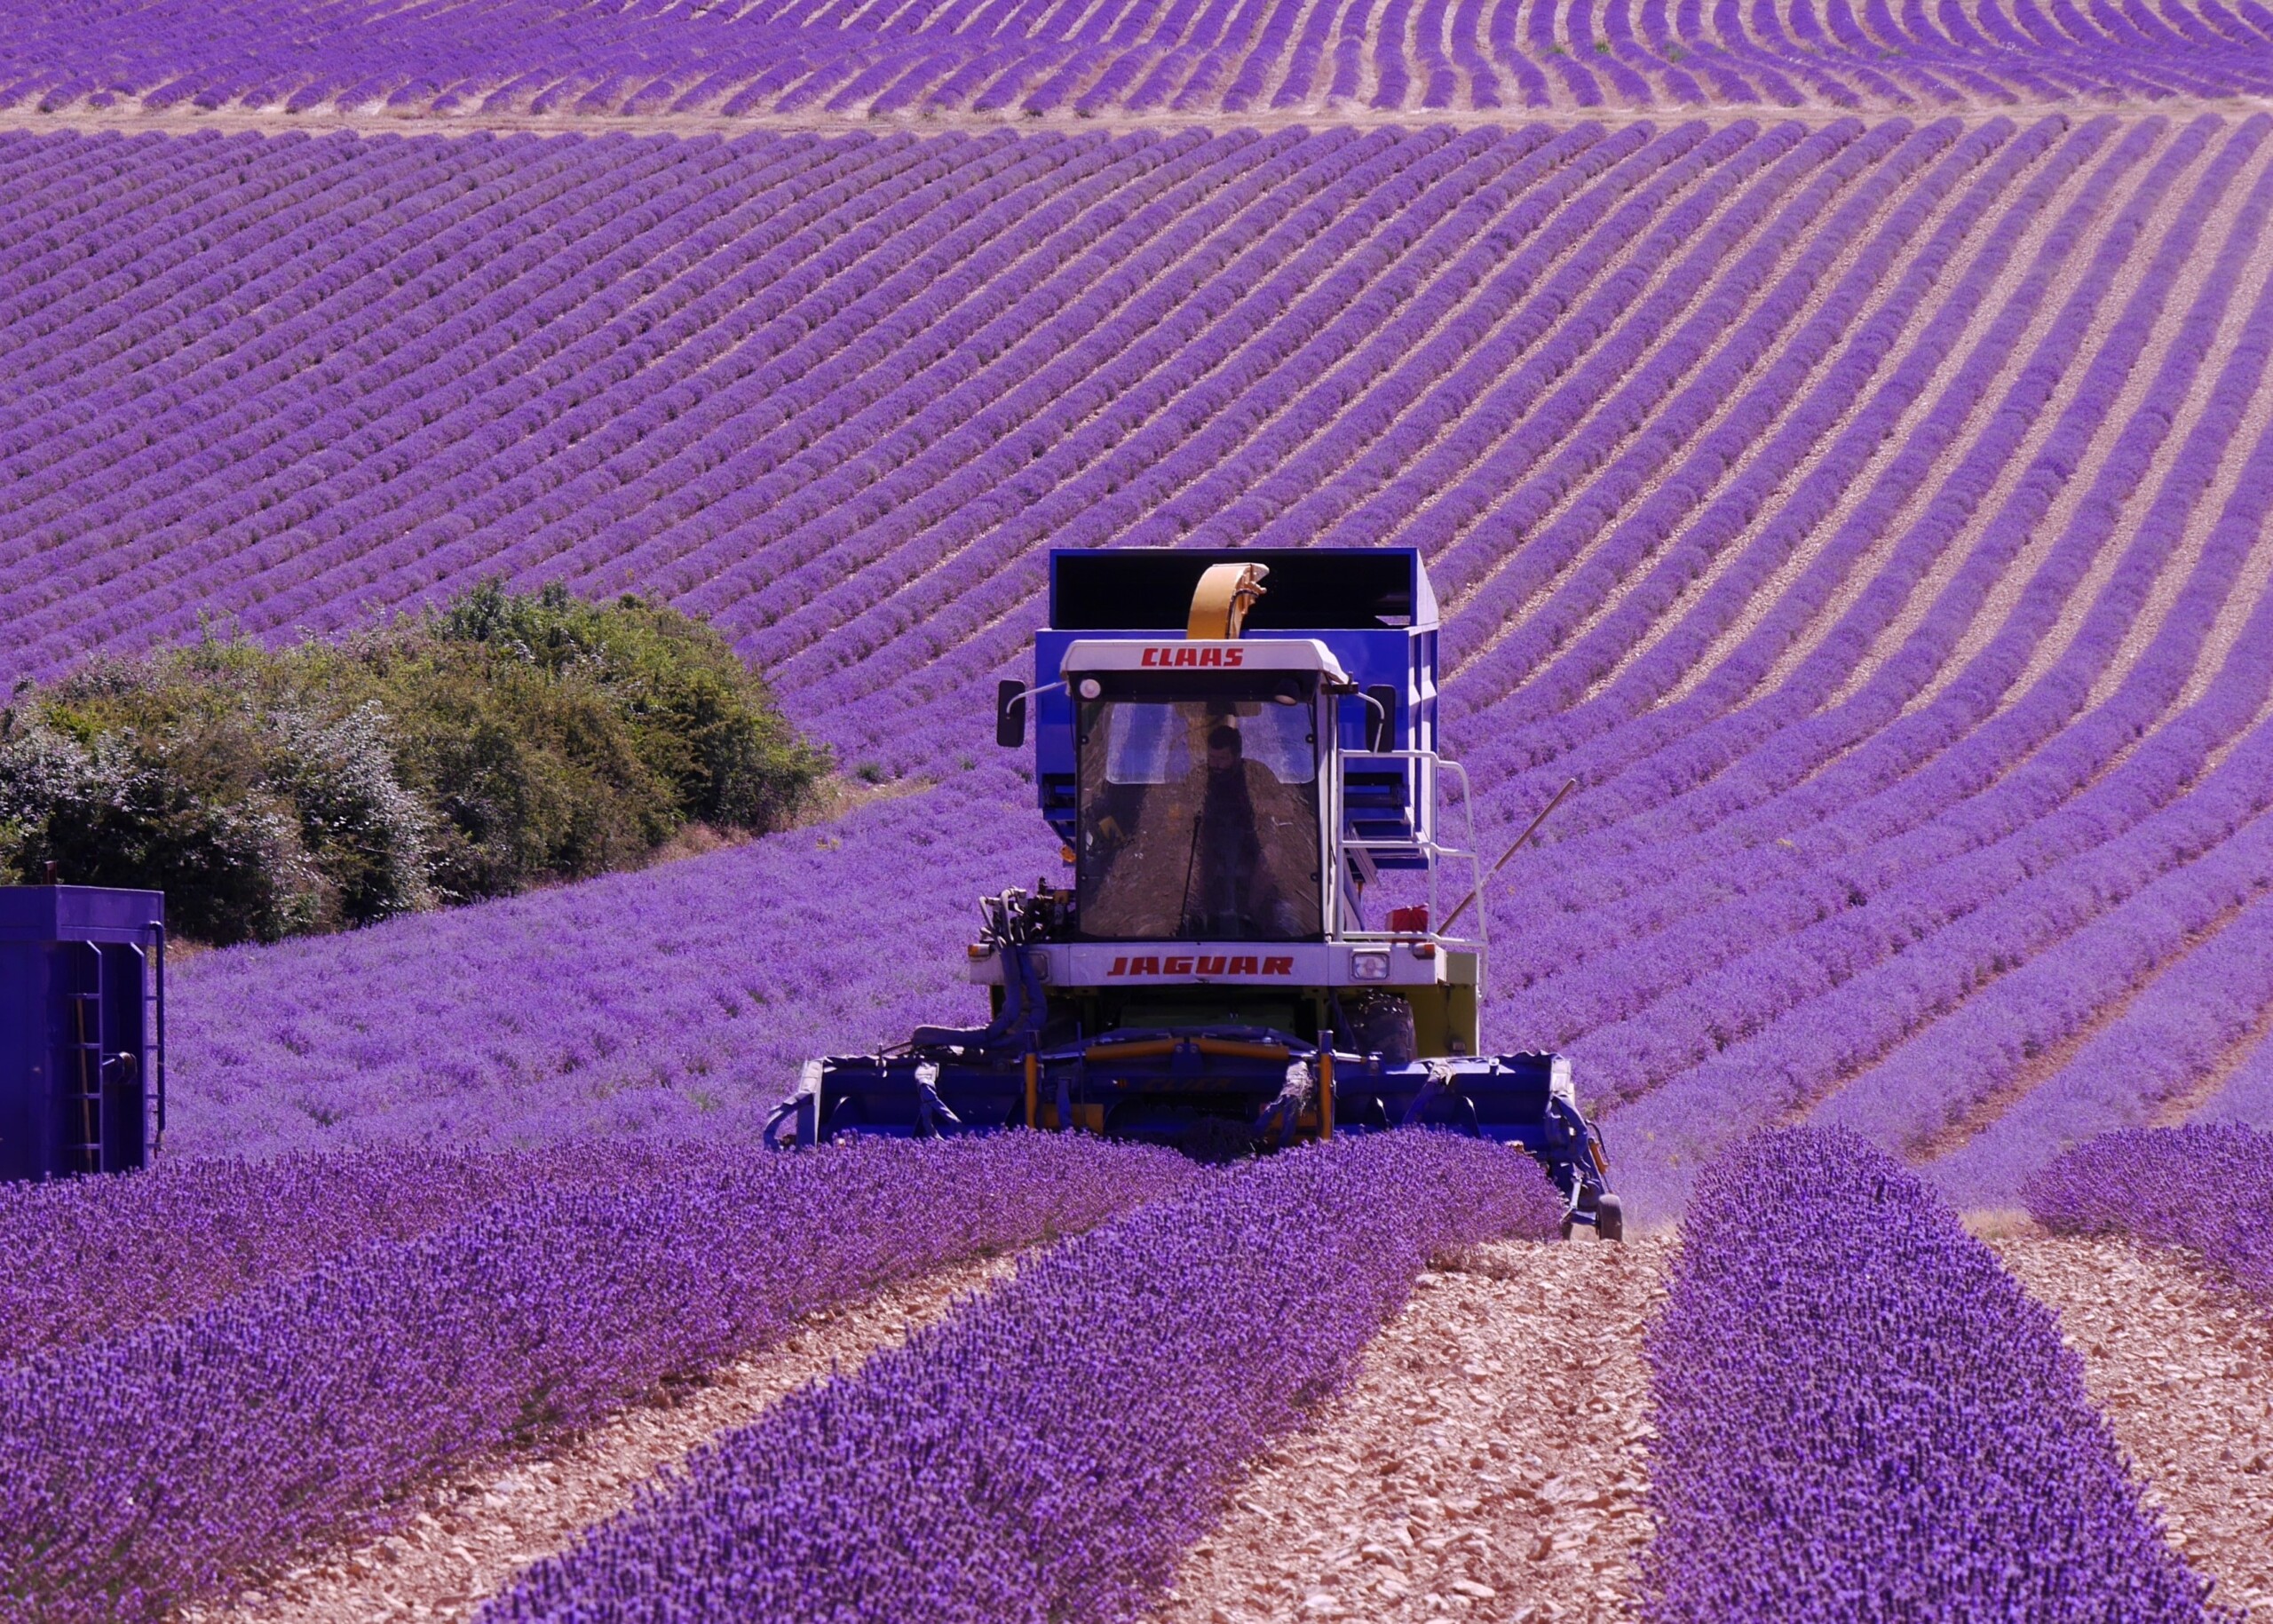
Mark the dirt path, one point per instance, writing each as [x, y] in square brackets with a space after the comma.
[2184, 1374]
[479, 1531]
[1487, 1461]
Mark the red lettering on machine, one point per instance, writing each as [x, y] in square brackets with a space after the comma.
[1191, 654]
[1201, 964]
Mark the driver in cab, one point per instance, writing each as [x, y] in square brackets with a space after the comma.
[1242, 821]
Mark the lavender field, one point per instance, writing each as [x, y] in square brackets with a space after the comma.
[1868, 515]
[525, 60]
[1841, 438]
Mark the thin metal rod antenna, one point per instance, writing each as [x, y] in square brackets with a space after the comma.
[1569, 784]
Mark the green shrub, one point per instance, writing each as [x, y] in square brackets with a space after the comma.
[502, 741]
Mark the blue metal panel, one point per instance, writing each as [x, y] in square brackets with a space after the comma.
[28, 1133]
[82, 1057]
[78, 914]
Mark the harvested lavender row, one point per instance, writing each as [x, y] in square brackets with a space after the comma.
[2207, 1187]
[145, 1473]
[543, 58]
[1861, 1415]
[1049, 1451]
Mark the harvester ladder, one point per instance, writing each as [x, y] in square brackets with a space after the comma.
[83, 1079]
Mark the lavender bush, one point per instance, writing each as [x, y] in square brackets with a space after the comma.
[142, 1472]
[1862, 1416]
[2207, 1188]
[1050, 1450]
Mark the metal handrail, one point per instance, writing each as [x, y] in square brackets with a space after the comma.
[1432, 853]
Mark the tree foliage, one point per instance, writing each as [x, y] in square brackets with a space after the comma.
[501, 742]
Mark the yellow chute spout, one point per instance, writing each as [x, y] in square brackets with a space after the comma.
[1219, 605]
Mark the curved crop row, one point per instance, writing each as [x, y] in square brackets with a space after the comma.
[1856, 827]
[1051, 1449]
[142, 1473]
[87, 1261]
[676, 1002]
[846, 58]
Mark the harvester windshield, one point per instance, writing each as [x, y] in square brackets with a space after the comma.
[1199, 819]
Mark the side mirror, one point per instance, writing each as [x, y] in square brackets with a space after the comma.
[1380, 718]
[1010, 714]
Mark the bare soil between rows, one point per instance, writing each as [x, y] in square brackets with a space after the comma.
[1487, 1461]
[2183, 1371]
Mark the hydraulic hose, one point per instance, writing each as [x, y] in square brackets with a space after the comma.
[1021, 1009]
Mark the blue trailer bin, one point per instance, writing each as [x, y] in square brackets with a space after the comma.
[83, 1070]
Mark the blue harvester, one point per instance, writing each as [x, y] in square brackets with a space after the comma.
[1239, 752]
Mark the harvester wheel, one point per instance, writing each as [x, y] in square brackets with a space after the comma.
[1610, 1218]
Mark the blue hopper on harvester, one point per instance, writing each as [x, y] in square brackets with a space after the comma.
[1234, 747]
[83, 1030]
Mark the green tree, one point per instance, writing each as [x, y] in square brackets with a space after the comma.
[501, 742]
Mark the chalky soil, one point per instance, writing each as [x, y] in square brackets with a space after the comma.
[2184, 1374]
[1486, 1461]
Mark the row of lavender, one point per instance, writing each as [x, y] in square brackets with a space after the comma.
[2012, 837]
[206, 1369]
[672, 1004]
[1772, 414]
[543, 58]
[526, 409]
[301, 381]
[1050, 1451]
[1861, 1415]
[1856, 1408]
[2207, 1190]
[555, 430]
[1855, 1404]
